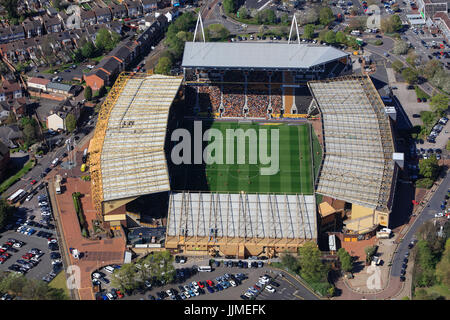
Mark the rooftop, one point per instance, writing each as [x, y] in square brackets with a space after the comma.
[242, 215]
[262, 55]
[133, 160]
[358, 145]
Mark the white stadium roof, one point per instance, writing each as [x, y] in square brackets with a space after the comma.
[358, 166]
[257, 55]
[133, 161]
[242, 215]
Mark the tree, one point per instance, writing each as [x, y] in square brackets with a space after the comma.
[106, 40]
[326, 16]
[102, 92]
[400, 47]
[243, 13]
[266, 16]
[311, 267]
[370, 252]
[439, 104]
[308, 31]
[29, 127]
[10, 7]
[88, 50]
[412, 58]
[410, 75]
[290, 262]
[431, 67]
[5, 212]
[218, 32]
[125, 277]
[429, 168]
[443, 266]
[346, 260]
[71, 122]
[29, 289]
[311, 16]
[229, 6]
[88, 93]
[330, 37]
[391, 24]
[164, 66]
[357, 23]
[397, 65]
[340, 37]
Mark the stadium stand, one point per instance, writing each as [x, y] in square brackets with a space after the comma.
[233, 100]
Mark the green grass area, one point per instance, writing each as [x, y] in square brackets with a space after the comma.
[59, 282]
[420, 93]
[14, 178]
[440, 290]
[97, 59]
[294, 154]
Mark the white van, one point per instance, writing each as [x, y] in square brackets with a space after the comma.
[55, 162]
[109, 269]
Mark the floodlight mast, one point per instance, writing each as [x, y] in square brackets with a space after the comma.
[294, 20]
[199, 21]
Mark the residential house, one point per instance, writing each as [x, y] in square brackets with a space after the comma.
[149, 5]
[104, 73]
[96, 79]
[119, 11]
[4, 159]
[51, 11]
[122, 54]
[93, 30]
[103, 15]
[4, 111]
[115, 26]
[134, 8]
[442, 21]
[37, 84]
[88, 18]
[33, 28]
[52, 24]
[57, 118]
[60, 89]
[11, 135]
[17, 33]
[10, 90]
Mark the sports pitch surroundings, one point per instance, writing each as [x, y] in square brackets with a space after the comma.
[295, 163]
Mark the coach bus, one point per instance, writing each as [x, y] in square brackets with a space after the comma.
[204, 269]
[16, 196]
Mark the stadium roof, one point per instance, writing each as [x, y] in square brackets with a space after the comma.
[358, 165]
[133, 161]
[242, 215]
[257, 55]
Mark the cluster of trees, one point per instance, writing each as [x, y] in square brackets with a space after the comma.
[29, 289]
[435, 73]
[428, 171]
[331, 37]
[310, 267]
[432, 261]
[177, 34]
[30, 130]
[5, 212]
[157, 266]
[370, 252]
[345, 259]
[391, 24]
[105, 41]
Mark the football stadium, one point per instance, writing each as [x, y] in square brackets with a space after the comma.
[230, 149]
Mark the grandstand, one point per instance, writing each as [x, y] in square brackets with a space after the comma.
[256, 80]
[358, 165]
[126, 154]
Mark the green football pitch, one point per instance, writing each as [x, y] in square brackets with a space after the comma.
[294, 154]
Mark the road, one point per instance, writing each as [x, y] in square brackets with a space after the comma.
[46, 160]
[426, 215]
